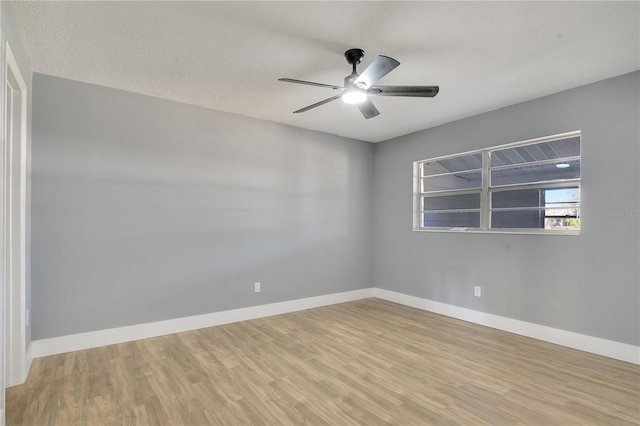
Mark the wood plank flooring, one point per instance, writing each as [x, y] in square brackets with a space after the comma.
[367, 362]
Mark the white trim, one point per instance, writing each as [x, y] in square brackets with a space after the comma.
[523, 231]
[27, 365]
[462, 172]
[508, 145]
[2, 265]
[18, 363]
[596, 345]
[93, 339]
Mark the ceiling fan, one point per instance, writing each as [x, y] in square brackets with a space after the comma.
[358, 87]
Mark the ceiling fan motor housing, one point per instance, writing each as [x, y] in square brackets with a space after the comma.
[354, 56]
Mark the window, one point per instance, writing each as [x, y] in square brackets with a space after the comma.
[531, 186]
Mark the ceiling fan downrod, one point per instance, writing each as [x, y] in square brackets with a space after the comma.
[353, 57]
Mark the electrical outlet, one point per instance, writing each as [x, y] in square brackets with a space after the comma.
[477, 291]
[256, 287]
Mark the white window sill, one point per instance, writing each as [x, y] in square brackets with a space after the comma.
[496, 231]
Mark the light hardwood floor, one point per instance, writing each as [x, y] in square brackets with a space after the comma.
[365, 362]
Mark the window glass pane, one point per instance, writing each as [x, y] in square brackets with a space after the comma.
[541, 197]
[452, 220]
[562, 218]
[453, 164]
[450, 202]
[524, 219]
[556, 219]
[457, 181]
[522, 198]
[563, 212]
[561, 148]
[562, 197]
[562, 223]
[528, 173]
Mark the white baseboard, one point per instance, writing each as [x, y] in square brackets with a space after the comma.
[596, 345]
[20, 371]
[94, 339]
[28, 362]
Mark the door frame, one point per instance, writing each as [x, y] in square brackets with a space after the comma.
[2, 337]
[14, 291]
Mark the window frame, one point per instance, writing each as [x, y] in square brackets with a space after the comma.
[486, 190]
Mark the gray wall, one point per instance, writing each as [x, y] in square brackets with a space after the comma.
[146, 209]
[11, 35]
[588, 284]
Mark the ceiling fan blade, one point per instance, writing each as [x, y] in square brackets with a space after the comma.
[368, 109]
[310, 83]
[414, 91]
[382, 66]
[317, 104]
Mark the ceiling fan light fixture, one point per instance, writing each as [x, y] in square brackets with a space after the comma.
[354, 96]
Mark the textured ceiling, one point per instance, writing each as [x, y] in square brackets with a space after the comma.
[228, 55]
